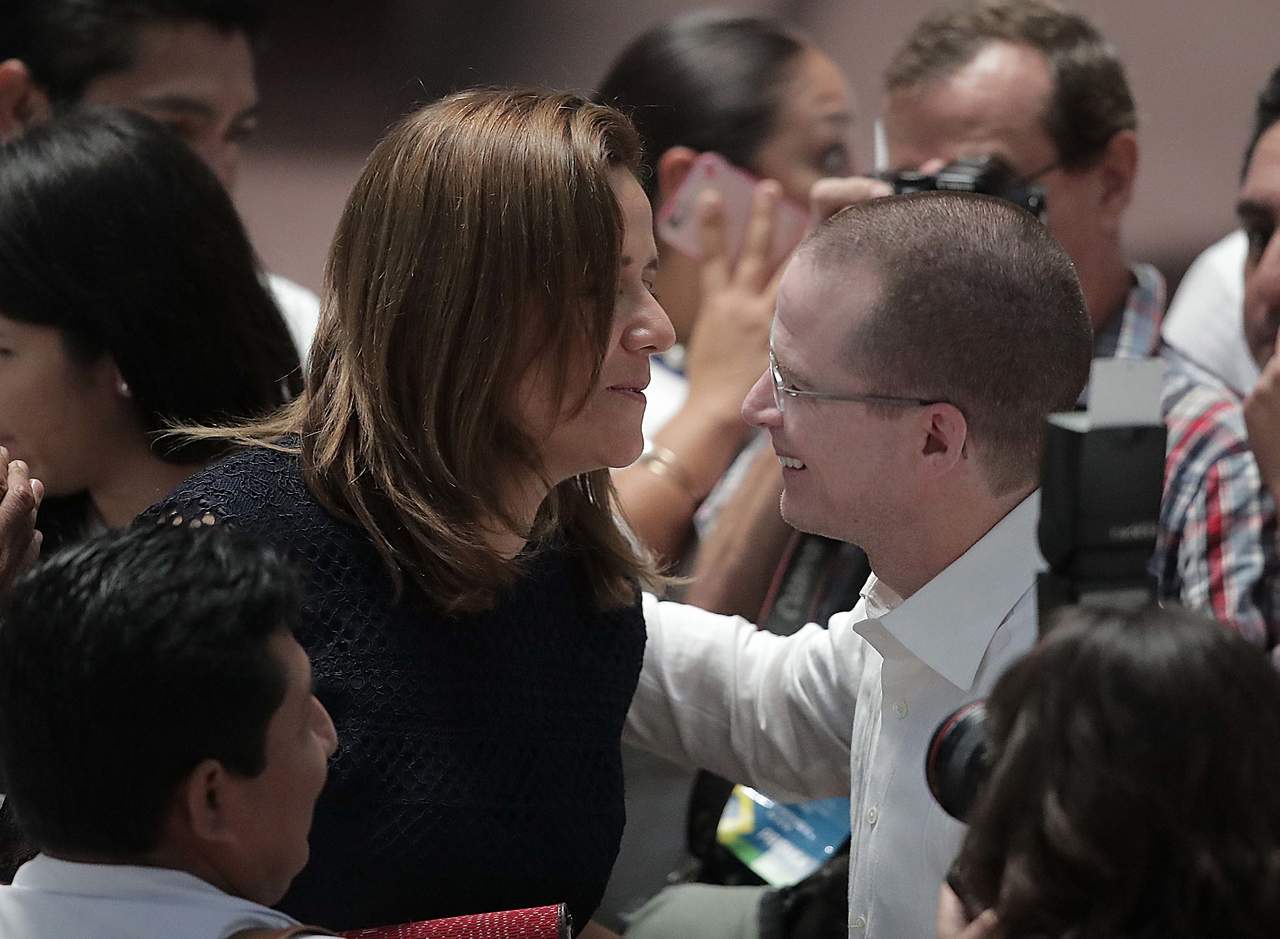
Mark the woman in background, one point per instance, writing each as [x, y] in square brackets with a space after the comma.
[766, 99]
[1133, 787]
[129, 298]
[471, 606]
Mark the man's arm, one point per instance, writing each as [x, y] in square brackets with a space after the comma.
[736, 562]
[1228, 562]
[771, 711]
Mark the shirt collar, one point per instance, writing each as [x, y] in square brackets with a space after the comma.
[948, 623]
[109, 880]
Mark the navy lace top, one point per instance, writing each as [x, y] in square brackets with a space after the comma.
[478, 765]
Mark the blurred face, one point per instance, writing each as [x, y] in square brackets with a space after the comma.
[606, 430]
[195, 79]
[274, 808]
[1259, 210]
[995, 105]
[810, 137]
[62, 416]
[844, 464]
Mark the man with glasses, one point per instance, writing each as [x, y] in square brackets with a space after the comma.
[918, 346]
[1040, 90]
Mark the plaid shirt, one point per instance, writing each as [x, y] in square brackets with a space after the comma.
[1216, 549]
[1135, 334]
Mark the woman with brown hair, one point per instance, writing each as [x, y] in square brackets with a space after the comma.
[471, 605]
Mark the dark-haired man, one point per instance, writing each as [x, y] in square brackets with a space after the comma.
[1217, 548]
[1039, 87]
[943, 498]
[187, 63]
[159, 737]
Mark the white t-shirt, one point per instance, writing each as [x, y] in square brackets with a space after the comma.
[1205, 321]
[55, 899]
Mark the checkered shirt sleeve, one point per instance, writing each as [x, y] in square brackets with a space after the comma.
[1216, 550]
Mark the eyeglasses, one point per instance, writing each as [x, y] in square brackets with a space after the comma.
[782, 391]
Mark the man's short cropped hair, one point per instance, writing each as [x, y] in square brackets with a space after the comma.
[978, 305]
[124, 662]
[66, 44]
[1266, 114]
[1091, 101]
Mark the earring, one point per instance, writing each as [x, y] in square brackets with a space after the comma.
[122, 386]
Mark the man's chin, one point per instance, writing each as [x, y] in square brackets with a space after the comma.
[809, 522]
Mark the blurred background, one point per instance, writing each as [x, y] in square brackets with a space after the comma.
[335, 73]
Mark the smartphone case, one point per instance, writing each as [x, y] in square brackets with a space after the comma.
[678, 219]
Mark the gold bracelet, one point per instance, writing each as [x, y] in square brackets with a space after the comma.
[662, 462]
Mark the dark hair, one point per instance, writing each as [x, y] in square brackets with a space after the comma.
[708, 81]
[978, 305]
[114, 232]
[1266, 113]
[1133, 791]
[125, 661]
[1091, 101]
[66, 44]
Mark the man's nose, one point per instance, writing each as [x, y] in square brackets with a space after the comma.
[758, 408]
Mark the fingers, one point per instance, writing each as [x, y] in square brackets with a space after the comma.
[981, 927]
[757, 245]
[711, 235]
[19, 497]
[829, 196]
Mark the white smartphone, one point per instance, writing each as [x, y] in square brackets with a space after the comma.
[678, 219]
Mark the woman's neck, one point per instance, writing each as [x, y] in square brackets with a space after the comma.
[136, 481]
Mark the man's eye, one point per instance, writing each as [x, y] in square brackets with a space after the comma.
[241, 132]
[1259, 237]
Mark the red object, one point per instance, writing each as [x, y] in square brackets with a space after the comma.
[539, 922]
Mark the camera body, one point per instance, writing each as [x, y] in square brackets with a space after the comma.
[988, 175]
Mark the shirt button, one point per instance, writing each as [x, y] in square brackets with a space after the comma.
[873, 815]
[900, 709]
[859, 922]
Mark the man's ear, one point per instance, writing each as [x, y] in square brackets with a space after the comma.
[22, 102]
[202, 806]
[946, 438]
[673, 166]
[1117, 172]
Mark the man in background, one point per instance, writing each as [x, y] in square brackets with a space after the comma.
[187, 63]
[159, 737]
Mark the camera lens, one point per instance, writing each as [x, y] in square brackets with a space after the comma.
[956, 762]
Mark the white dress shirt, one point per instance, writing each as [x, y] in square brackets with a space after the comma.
[54, 899]
[849, 710]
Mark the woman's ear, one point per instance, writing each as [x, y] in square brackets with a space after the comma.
[673, 166]
[22, 102]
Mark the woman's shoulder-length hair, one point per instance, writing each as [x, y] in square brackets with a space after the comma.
[483, 235]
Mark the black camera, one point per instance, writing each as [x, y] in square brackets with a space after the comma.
[989, 175]
[956, 764]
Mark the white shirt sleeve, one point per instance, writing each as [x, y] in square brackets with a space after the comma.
[774, 712]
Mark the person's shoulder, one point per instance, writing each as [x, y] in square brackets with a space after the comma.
[245, 485]
[1207, 435]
